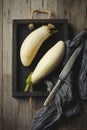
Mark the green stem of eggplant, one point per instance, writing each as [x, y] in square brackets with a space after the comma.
[28, 83]
[54, 31]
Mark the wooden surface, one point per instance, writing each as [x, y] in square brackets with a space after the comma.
[1, 67]
[15, 114]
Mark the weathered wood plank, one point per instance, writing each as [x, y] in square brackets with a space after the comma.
[16, 113]
[10, 106]
[62, 9]
[52, 6]
[24, 115]
[36, 4]
[1, 67]
[77, 14]
[22, 9]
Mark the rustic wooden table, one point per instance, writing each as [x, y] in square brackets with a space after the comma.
[15, 114]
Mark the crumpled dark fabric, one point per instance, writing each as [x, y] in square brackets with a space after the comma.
[73, 89]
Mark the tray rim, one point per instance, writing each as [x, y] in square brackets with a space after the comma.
[15, 22]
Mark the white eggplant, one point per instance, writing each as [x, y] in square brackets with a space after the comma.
[32, 43]
[47, 64]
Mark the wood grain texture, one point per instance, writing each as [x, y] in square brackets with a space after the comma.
[1, 67]
[77, 14]
[52, 6]
[17, 113]
[36, 5]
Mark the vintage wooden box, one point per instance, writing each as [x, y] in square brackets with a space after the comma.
[19, 72]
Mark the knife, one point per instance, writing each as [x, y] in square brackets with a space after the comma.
[63, 75]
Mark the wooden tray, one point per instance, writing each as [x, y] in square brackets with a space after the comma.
[19, 72]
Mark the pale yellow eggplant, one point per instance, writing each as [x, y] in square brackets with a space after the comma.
[32, 43]
[47, 64]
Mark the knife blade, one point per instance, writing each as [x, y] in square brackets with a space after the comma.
[63, 75]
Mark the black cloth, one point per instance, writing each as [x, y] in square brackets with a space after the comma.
[73, 89]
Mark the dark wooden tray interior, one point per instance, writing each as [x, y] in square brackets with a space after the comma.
[20, 32]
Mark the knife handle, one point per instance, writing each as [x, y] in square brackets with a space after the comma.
[52, 93]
